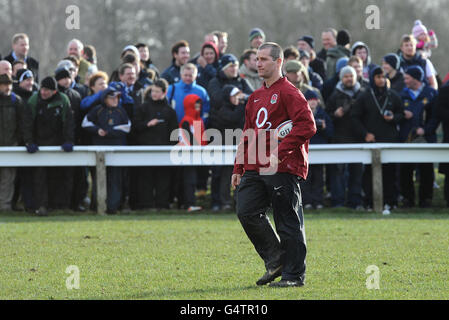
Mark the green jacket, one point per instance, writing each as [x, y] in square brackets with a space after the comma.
[82, 71]
[48, 122]
[333, 55]
[11, 110]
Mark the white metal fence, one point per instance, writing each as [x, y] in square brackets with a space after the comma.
[130, 156]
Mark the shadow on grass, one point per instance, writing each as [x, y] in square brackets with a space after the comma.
[174, 294]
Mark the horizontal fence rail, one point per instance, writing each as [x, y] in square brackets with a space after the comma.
[101, 157]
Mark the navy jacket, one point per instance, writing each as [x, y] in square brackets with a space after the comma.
[322, 136]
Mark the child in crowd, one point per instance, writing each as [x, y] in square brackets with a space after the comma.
[426, 40]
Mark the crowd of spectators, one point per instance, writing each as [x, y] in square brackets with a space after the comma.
[399, 99]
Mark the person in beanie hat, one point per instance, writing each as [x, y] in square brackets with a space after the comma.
[339, 106]
[11, 109]
[337, 52]
[376, 115]
[25, 85]
[418, 125]
[256, 38]
[391, 65]
[313, 187]
[307, 43]
[48, 121]
[426, 40]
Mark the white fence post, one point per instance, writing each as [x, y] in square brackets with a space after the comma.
[101, 178]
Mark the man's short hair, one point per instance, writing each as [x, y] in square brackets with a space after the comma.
[189, 66]
[19, 36]
[78, 42]
[408, 38]
[247, 55]
[291, 51]
[333, 31]
[123, 67]
[161, 83]
[275, 50]
[16, 62]
[178, 45]
[220, 34]
[74, 60]
[355, 59]
[129, 58]
[141, 45]
[96, 76]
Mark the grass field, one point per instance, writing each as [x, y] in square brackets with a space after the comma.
[174, 255]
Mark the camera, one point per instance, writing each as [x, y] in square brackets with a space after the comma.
[388, 113]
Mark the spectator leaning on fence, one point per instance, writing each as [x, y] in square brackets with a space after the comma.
[376, 114]
[339, 107]
[48, 121]
[153, 123]
[418, 125]
[108, 124]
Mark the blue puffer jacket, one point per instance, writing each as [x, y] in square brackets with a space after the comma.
[424, 115]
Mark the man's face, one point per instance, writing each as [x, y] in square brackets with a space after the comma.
[251, 63]
[222, 44]
[6, 89]
[328, 40]
[362, 54]
[348, 80]
[144, 53]
[65, 82]
[411, 82]
[188, 76]
[294, 77]
[358, 68]
[27, 84]
[21, 47]
[408, 49]
[304, 46]
[266, 66]
[5, 68]
[100, 84]
[211, 38]
[256, 42]
[128, 77]
[232, 71]
[112, 101]
[209, 55]
[386, 67]
[17, 67]
[379, 80]
[182, 56]
[47, 93]
[74, 50]
[157, 93]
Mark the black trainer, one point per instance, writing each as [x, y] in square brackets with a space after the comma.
[287, 284]
[269, 276]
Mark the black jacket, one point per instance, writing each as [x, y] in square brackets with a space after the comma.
[11, 112]
[367, 115]
[32, 64]
[230, 117]
[160, 133]
[343, 127]
[75, 101]
[214, 90]
[48, 122]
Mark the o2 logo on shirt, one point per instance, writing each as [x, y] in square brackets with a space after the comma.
[261, 120]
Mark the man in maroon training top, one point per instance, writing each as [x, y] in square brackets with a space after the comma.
[268, 109]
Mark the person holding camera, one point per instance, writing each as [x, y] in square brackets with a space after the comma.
[375, 116]
[313, 186]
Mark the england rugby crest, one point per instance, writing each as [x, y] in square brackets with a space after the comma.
[274, 98]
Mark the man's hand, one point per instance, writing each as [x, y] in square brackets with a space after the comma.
[102, 133]
[201, 61]
[370, 137]
[235, 180]
[152, 123]
[339, 112]
[408, 114]
[388, 118]
[420, 131]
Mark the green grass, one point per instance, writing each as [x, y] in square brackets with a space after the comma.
[174, 255]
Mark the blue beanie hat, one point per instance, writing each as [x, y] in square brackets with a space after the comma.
[226, 60]
[415, 72]
[256, 32]
[341, 63]
[393, 60]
